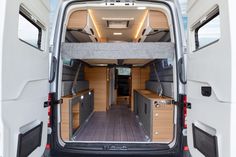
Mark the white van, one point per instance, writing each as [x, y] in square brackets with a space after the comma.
[113, 80]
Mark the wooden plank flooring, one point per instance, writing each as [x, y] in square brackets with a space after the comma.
[118, 124]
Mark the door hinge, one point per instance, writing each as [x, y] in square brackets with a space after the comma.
[51, 103]
[188, 105]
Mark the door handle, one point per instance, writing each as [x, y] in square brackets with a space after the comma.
[53, 69]
[206, 91]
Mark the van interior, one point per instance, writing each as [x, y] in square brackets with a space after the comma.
[118, 79]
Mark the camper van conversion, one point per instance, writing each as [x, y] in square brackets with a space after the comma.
[117, 78]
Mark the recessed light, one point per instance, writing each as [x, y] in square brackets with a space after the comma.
[81, 97]
[117, 33]
[141, 8]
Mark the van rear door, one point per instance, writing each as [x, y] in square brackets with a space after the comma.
[209, 75]
[23, 77]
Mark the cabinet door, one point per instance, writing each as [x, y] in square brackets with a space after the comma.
[146, 118]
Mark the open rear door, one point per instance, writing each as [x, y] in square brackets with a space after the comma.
[23, 77]
[209, 75]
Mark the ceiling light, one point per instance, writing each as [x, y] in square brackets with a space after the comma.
[141, 8]
[117, 19]
[95, 25]
[117, 33]
[118, 24]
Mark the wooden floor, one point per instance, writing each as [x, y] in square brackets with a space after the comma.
[118, 124]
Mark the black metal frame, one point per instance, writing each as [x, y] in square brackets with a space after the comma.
[199, 26]
[39, 42]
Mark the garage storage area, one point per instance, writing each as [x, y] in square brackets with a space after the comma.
[117, 81]
[97, 113]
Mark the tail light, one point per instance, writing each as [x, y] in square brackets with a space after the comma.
[185, 111]
[50, 99]
[186, 148]
[48, 146]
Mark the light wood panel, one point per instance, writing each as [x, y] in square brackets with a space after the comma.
[135, 84]
[78, 19]
[158, 20]
[97, 77]
[139, 77]
[144, 76]
[65, 120]
[65, 117]
[123, 100]
[163, 123]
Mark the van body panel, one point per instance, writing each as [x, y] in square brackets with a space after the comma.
[210, 85]
[24, 79]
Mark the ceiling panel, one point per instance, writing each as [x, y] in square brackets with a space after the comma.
[139, 62]
[127, 34]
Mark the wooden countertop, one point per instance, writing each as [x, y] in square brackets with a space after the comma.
[79, 93]
[152, 95]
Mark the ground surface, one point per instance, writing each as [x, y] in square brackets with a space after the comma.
[117, 124]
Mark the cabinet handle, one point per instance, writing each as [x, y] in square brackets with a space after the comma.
[156, 114]
[156, 132]
[145, 108]
[157, 105]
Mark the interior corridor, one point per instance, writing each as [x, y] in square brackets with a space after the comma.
[117, 124]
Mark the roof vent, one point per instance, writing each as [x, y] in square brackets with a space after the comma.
[118, 23]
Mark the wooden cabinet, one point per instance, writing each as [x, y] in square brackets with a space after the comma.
[75, 110]
[156, 115]
[162, 122]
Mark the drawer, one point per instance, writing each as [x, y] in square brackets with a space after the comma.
[162, 124]
[163, 118]
[163, 114]
[162, 135]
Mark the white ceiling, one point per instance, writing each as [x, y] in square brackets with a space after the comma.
[127, 34]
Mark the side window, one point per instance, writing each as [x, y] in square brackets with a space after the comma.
[207, 31]
[167, 63]
[29, 29]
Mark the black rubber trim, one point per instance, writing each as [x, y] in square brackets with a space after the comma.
[29, 141]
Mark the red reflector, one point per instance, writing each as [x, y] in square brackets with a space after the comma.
[49, 111]
[50, 96]
[49, 123]
[48, 146]
[186, 148]
[185, 99]
[185, 111]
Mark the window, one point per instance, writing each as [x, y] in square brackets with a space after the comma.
[208, 30]
[124, 71]
[167, 63]
[29, 30]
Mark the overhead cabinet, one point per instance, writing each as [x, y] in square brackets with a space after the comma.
[81, 27]
[154, 28]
